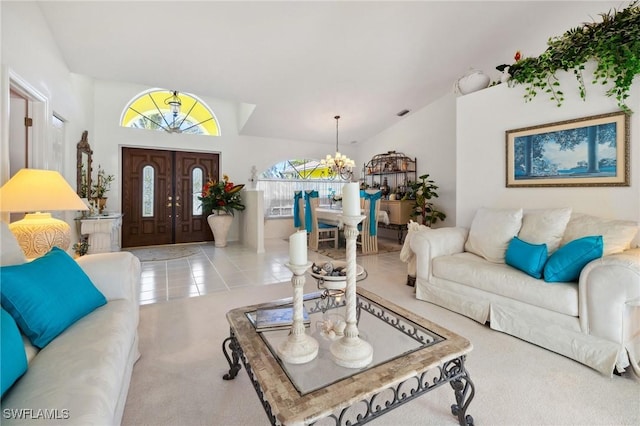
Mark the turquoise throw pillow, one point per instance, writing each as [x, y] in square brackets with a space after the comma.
[13, 359]
[567, 262]
[47, 295]
[527, 257]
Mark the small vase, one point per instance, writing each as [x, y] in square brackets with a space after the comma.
[101, 202]
[220, 224]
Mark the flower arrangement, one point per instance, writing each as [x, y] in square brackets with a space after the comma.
[221, 196]
[102, 184]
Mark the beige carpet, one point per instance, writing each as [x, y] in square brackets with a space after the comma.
[384, 246]
[150, 254]
[178, 379]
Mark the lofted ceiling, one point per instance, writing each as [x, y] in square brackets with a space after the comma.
[303, 62]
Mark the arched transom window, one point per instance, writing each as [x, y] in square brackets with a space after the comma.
[170, 111]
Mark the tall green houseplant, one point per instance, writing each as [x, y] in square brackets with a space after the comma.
[424, 210]
[614, 44]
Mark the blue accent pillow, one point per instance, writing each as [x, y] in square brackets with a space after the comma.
[13, 359]
[47, 295]
[566, 263]
[527, 257]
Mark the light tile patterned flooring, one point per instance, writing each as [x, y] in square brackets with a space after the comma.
[222, 269]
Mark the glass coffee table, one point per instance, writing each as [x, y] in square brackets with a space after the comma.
[411, 357]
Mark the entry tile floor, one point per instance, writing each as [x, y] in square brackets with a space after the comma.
[214, 269]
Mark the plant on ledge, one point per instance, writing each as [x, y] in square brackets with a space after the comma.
[424, 190]
[613, 43]
[221, 196]
[102, 185]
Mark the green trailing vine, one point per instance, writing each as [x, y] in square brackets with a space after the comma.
[614, 44]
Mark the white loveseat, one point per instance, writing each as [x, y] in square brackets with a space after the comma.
[594, 319]
[82, 376]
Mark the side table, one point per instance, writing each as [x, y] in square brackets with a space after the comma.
[103, 232]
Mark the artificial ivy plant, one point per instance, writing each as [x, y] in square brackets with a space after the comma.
[614, 44]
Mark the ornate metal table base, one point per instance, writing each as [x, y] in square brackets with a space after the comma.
[452, 372]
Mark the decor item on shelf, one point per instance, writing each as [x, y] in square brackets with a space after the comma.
[33, 190]
[424, 209]
[340, 165]
[612, 44]
[219, 201]
[472, 81]
[101, 186]
[384, 188]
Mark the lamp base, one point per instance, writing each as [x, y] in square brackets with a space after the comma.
[37, 233]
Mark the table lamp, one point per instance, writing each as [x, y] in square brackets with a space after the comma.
[33, 190]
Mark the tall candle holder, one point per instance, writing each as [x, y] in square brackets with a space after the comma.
[299, 347]
[351, 351]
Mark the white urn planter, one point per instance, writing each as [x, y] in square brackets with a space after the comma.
[220, 224]
[472, 81]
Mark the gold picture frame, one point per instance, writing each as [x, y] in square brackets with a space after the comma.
[589, 151]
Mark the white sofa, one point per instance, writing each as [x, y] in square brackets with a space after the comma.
[594, 320]
[82, 376]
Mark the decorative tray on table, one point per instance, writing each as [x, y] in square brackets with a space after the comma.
[332, 275]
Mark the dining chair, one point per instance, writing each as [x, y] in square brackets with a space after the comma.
[320, 232]
[299, 211]
[368, 237]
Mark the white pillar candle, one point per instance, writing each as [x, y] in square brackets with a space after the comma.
[351, 199]
[298, 248]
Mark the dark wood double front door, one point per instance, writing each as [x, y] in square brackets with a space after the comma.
[159, 196]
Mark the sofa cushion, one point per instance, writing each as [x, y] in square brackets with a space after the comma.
[84, 370]
[47, 295]
[527, 257]
[491, 231]
[13, 359]
[10, 251]
[501, 279]
[567, 262]
[545, 226]
[616, 234]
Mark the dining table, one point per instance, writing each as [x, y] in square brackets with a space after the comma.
[332, 215]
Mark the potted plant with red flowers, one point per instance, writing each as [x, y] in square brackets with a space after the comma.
[220, 200]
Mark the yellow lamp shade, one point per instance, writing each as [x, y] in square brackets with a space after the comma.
[34, 190]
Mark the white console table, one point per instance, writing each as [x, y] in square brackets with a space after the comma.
[103, 232]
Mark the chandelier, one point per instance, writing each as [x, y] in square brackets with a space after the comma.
[340, 165]
[174, 104]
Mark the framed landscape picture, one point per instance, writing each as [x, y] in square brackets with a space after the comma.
[590, 151]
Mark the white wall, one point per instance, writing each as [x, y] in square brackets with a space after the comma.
[28, 50]
[429, 135]
[484, 116]
[238, 152]
[30, 55]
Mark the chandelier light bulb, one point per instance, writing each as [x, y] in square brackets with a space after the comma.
[339, 165]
